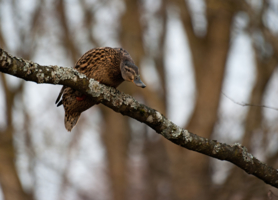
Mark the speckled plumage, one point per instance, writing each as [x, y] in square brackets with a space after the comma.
[103, 64]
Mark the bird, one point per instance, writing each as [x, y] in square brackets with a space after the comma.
[109, 66]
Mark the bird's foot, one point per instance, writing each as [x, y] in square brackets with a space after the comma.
[81, 98]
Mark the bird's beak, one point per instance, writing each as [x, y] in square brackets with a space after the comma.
[137, 81]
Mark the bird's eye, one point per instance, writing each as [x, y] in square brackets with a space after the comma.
[128, 70]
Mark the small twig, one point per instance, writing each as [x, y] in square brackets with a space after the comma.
[247, 104]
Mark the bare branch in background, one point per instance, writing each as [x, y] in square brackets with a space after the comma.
[248, 104]
[10, 183]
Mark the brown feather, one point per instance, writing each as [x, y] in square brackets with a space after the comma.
[101, 64]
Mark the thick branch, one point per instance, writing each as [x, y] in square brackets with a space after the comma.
[127, 105]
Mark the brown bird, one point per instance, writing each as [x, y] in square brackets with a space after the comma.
[110, 66]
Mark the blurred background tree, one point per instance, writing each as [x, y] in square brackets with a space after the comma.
[189, 52]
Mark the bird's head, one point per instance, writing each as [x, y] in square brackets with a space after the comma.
[130, 72]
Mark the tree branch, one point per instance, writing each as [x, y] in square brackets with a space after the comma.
[127, 105]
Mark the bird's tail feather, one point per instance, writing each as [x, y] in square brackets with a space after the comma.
[59, 96]
[71, 120]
